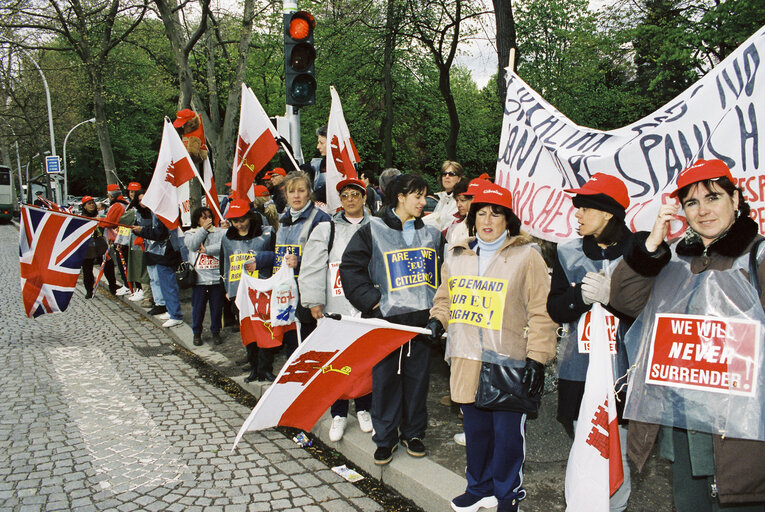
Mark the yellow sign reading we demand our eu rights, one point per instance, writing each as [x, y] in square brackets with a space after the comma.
[477, 301]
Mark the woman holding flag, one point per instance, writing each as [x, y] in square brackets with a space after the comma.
[492, 299]
[97, 246]
[714, 270]
[390, 270]
[578, 281]
[301, 217]
[248, 246]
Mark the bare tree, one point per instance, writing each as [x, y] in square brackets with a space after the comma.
[91, 30]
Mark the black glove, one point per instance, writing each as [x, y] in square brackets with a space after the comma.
[534, 377]
[436, 330]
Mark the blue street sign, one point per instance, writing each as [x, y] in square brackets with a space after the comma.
[53, 165]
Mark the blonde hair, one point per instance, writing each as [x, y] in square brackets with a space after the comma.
[292, 178]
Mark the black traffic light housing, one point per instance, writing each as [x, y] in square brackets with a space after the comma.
[299, 57]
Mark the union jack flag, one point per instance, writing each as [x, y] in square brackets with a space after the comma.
[51, 249]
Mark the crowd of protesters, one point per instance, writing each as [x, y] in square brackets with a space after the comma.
[342, 264]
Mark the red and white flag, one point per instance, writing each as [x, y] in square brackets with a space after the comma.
[255, 145]
[594, 471]
[255, 299]
[326, 367]
[174, 169]
[341, 151]
[208, 185]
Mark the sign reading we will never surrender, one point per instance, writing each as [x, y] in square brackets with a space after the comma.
[704, 353]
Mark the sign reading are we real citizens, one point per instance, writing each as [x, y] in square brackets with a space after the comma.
[705, 353]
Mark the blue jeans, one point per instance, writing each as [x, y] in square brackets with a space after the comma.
[170, 292]
[156, 290]
[340, 408]
[200, 295]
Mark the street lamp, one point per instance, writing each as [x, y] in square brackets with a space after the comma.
[18, 159]
[66, 179]
[47, 102]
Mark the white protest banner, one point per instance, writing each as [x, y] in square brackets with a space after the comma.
[541, 152]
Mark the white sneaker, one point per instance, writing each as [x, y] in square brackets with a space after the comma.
[123, 291]
[164, 316]
[337, 429]
[172, 323]
[365, 421]
[137, 295]
[460, 438]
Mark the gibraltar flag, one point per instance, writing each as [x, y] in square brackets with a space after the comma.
[327, 365]
[255, 145]
[341, 152]
[594, 470]
[254, 299]
[174, 168]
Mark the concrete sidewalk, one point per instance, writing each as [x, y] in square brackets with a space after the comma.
[431, 482]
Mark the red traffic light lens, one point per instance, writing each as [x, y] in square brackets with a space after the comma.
[299, 28]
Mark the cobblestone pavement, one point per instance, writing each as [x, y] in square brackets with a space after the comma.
[97, 412]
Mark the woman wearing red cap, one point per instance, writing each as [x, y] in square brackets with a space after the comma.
[714, 270]
[492, 300]
[97, 246]
[580, 278]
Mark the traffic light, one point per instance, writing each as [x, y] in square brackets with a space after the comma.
[299, 56]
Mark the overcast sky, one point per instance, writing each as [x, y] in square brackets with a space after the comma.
[480, 55]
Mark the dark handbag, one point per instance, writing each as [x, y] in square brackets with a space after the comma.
[500, 388]
[186, 275]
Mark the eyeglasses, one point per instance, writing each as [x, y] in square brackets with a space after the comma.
[348, 195]
[449, 173]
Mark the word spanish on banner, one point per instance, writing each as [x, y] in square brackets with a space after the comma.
[704, 353]
[541, 152]
[478, 301]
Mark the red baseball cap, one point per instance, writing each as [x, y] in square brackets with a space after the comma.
[475, 185]
[86, 199]
[279, 171]
[228, 183]
[112, 187]
[492, 193]
[134, 185]
[352, 182]
[700, 171]
[261, 191]
[237, 208]
[605, 184]
[182, 116]
[484, 176]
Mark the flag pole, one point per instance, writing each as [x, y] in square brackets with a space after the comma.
[210, 203]
[94, 219]
[280, 141]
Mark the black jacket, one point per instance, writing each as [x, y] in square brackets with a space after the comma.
[358, 287]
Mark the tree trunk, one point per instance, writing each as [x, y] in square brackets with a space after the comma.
[391, 27]
[506, 39]
[102, 127]
[444, 86]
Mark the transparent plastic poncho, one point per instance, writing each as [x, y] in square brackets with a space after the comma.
[696, 351]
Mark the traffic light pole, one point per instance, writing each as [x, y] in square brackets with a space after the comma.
[292, 114]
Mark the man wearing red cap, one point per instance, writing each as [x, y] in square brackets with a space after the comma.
[578, 281]
[320, 285]
[715, 269]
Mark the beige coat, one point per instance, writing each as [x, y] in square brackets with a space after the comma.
[518, 261]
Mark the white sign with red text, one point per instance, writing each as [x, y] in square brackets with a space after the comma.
[584, 327]
[704, 353]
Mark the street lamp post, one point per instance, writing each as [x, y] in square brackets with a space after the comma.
[66, 178]
[18, 159]
[47, 102]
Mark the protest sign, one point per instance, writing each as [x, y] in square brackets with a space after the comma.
[704, 353]
[584, 328]
[411, 267]
[478, 301]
